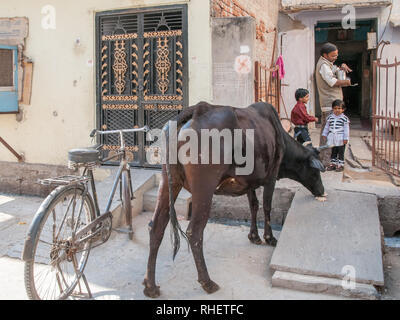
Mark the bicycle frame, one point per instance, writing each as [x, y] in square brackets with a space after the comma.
[124, 166]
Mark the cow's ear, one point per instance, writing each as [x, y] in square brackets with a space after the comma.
[317, 164]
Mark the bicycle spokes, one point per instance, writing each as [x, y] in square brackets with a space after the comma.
[59, 259]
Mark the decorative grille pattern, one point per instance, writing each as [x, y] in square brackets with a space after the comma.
[142, 72]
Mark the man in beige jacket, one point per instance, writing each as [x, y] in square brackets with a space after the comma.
[329, 86]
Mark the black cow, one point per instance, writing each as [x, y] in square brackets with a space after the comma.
[277, 155]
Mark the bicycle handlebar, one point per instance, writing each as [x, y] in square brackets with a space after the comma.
[95, 131]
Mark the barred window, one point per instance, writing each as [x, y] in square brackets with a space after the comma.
[6, 68]
[8, 79]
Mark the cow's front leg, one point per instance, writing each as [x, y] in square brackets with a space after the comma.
[254, 205]
[267, 206]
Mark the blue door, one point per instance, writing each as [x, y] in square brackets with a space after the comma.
[8, 79]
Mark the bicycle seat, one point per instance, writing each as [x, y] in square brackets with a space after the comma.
[84, 155]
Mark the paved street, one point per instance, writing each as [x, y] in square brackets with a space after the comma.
[116, 269]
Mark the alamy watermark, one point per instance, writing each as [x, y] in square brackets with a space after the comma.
[204, 146]
[49, 17]
[349, 20]
[349, 277]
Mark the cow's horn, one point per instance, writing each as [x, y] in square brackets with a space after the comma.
[324, 147]
[305, 144]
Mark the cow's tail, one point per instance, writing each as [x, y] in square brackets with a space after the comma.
[176, 229]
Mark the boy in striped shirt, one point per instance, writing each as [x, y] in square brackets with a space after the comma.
[337, 132]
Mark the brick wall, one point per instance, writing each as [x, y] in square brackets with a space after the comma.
[266, 14]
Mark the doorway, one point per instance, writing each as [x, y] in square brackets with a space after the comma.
[142, 75]
[353, 50]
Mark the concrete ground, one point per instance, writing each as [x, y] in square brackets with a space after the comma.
[116, 269]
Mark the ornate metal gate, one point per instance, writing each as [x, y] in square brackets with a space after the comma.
[141, 73]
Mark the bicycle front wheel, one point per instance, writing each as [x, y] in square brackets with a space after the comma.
[57, 265]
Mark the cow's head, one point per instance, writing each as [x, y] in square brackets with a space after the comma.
[303, 165]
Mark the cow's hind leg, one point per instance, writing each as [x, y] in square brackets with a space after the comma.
[203, 182]
[254, 205]
[267, 206]
[201, 205]
[156, 230]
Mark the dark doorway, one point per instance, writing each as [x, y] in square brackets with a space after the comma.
[353, 50]
[353, 95]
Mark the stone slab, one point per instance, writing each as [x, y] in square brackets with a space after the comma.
[321, 238]
[360, 149]
[323, 285]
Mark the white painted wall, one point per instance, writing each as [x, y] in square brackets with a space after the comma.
[297, 67]
[299, 47]
[63, 110]
[392, 33]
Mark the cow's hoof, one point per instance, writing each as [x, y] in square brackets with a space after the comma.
[210, 286]
[151, 291]
[271, 241]
[255, 238]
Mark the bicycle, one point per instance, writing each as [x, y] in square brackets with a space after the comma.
[68, 224]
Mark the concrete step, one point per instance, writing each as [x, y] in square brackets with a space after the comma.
[359, 149]
[237, 208]
[368, 141]
[350, 160]
[142, 181]
[324, 285]
[327, 239]
[358, 154]
[182, 203]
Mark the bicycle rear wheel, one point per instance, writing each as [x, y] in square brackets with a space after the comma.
[56, 265]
